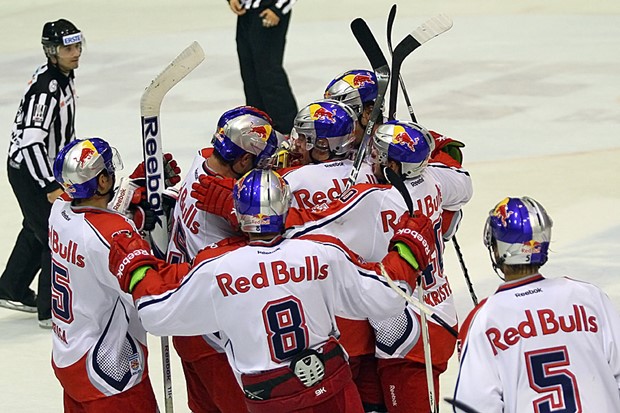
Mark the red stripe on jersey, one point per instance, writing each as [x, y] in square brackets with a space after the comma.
[524, 281]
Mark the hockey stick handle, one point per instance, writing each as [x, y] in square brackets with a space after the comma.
[428, 359]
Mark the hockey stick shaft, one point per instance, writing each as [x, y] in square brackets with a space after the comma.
[150, 105]
[423, 33]
[470, 286]
[373, 52]
[390, 25]
[428, 359]
[460, 405]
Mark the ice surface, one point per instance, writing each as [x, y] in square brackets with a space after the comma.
[532, 88]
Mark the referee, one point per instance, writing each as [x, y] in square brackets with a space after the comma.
[43, 125]
[261, 36]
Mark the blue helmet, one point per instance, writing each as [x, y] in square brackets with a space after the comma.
[80, 162]
[406, 142]
[520, 230]
[245, 129]
[262, 199]
[326, 119]
[354, 88]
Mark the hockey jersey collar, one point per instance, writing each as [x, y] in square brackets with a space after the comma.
[519, 283]
[266, 243]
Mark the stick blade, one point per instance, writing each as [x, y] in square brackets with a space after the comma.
[432, 27]
[180, 67]
[368, 43]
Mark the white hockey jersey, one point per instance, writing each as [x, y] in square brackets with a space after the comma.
[315, 184]
[541, 345]
[192, 228]
[99, 345]
[364, 219]
[268, 300]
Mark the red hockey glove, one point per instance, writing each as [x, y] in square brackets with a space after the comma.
[129, 252]
[449, 146]
[171, 171]
[214, 195]
[414, 240]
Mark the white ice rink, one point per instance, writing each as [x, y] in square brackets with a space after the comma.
[532, 88]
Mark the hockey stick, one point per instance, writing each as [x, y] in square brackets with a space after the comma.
[150, 105]
[398, 183]
[429, 29]
[390, 24]
[470, 286]
[460, 405]
[373, 52]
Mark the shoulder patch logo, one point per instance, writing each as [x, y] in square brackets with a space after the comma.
[53, 86]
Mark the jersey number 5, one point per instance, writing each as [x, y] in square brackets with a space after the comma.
[62, 296]
[286, 328]
[547, 374]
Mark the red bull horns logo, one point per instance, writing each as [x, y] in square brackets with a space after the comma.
[318, 112]
[358, 80]
[262, 131]
[401, 137]
[88, 151]
[501, 211]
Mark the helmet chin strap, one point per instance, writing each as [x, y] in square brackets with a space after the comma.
[496, 265]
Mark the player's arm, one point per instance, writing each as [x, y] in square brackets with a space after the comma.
[478, 384]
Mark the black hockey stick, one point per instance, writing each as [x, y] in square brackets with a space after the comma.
[390, 24]
[460, 405]
[429, 29]
[373, 52]
[470, 286]
[398, 183]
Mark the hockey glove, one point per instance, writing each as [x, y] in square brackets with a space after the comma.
[449, 146]
[214, 195]
[171, 171]
[128, 253]
[414, 240]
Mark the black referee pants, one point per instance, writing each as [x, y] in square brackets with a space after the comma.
[265, 83]
[31, 252]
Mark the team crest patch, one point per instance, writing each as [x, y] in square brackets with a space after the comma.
[135, 366]
[53, 86]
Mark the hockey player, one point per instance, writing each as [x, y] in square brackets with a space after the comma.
[323, 137]
[244, 139]
[273, 300]
[44, 123]
[358, 89]
[538, 344]
[99, 351]
[435, 188]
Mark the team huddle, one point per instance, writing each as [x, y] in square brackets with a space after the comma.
[279, 282]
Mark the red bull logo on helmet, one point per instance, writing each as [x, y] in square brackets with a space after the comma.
[262, 131]
[501, 211]
[358, 80]
[531, 247]
[87, 153]
[318, 112]
[401, 137]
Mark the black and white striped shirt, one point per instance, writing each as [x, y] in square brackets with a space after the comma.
[45, 122]
[283, 6]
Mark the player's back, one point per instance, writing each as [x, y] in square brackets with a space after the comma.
[92, 317]
[270, 300]
[540, 341]
[192, 228]
[314, 184]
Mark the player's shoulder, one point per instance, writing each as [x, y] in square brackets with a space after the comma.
[44, 81]
[288, 170]
[220, 248]
[106, 223]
